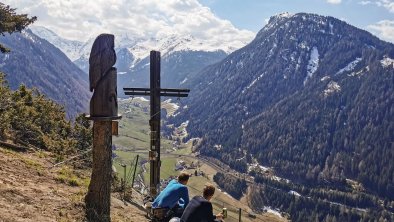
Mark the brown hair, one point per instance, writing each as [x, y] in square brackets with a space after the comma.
[208, 190]
[183, 177]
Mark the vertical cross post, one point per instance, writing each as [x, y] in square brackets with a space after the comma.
[155, 92]
[154, 122]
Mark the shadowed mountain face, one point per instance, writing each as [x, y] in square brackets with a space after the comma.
[310, 96]
[176, 69]
[37, 63]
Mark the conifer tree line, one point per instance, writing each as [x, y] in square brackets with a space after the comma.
[234, 186]
[302, 203]
[28, 118]
[301, 208]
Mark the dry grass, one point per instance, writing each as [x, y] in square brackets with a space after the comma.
[27, 196]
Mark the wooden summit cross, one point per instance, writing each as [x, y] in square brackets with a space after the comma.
[155, 92]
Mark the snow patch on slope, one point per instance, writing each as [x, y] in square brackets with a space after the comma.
[295, 193]
[325, 78]
[273, 211]
[331, 28]
[350, 66]
[387, 62]
[274, 20]
[29, 36]
[332, 87]
[183, 81]
[360, 72]
[253, 82]
[313, 64]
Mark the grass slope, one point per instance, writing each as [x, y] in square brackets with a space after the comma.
[31, 190]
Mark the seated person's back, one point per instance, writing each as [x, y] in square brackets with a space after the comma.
[199, 208]
[175, 191]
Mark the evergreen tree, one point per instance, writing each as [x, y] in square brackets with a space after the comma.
[5, 103]
[11, 22]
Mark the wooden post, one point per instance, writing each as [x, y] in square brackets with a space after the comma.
[115, 128]
[135, 170]
[98, 197]
[155, 122]
[103, 109]
[239, 214]
[124, 181]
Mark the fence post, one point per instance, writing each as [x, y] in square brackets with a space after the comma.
[135, 169]
[239, 214]
[124, 181]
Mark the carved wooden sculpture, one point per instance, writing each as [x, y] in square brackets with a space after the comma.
[102, 77]
[103, 109]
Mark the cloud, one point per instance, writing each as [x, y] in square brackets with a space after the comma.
[384, 29]
[334, 1]
[81, 20]
[365, 3]
[388, 4]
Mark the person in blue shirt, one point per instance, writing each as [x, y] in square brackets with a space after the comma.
[175, 196]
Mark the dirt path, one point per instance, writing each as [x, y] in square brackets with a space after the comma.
[30, 191]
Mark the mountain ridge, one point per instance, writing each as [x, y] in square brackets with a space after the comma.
[37, 63]
[301, 72]
[138, 46]
[133, 56]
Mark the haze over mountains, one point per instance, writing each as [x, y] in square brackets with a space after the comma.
[310, 96]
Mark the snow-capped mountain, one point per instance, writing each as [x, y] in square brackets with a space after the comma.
[133, 55]
[139, 47]
[71, 48]
[175, 43]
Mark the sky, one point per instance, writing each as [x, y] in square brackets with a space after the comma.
[233, 21]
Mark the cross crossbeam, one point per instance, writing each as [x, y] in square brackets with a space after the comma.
[163, 92]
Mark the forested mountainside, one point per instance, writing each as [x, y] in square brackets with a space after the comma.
[35, 62]
[311, 96]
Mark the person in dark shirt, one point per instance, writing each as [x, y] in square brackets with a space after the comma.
[199, 208]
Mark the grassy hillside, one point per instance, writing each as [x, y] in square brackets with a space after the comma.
[31, 189]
